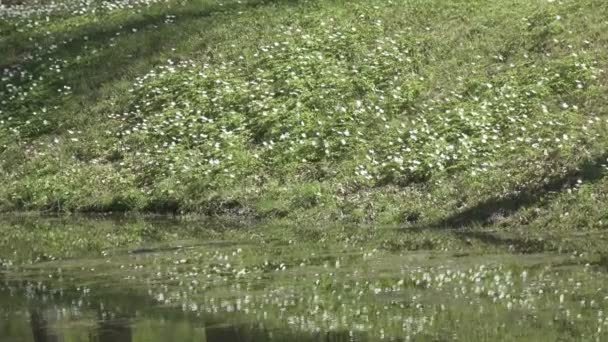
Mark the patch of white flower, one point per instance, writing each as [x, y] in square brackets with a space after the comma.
[331, 95]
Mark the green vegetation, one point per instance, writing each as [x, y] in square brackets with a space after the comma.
[439, 165]
[402, 112]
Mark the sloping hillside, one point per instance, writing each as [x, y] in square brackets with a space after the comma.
[410, 112]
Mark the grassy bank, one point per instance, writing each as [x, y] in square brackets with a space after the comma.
[418, 113]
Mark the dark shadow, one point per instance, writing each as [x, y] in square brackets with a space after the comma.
[602, 263]
[224, 333]
[251, 333]
[101, 32]
[115, 330]
[40, 330]
[465, 224]
[337, 336]
[588, 172]
[142, 42]
[94, 71]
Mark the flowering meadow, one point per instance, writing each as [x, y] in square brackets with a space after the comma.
[394, 112]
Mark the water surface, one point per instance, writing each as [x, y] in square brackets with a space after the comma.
[74, 279]
[32, 312]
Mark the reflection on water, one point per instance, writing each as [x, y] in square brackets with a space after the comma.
[31, 312]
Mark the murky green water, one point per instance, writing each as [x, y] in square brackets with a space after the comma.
[32, 312]
[141, 280]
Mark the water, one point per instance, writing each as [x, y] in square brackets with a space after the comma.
[32, 312]
[140, 280]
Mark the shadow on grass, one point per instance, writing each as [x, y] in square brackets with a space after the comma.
[588, 172]
[126, 46]
[104, 26]
[465, 225]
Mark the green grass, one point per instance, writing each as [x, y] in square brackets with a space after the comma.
[413, 113]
